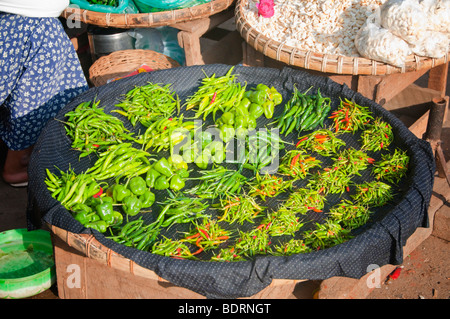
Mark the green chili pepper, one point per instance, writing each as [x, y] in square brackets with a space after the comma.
[118, 218]
[162, 166]
[132, 205]
[245, 102]
[184, 173]
[147, 199]
[151, 177]
[161, 183]
[176, 182]
[251, 122]
[120, 192]
[137, 185]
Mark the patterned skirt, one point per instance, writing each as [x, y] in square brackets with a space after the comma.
[39, 74]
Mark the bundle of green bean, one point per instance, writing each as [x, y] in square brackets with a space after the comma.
[303, 112]
[112, 3]
[91, 129]
[148, 103]
[216, 94]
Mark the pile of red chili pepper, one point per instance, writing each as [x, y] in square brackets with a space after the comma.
[191, 205]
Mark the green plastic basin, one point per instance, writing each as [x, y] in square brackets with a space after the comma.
[27, 265]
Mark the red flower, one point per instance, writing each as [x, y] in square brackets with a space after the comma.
[265, 8]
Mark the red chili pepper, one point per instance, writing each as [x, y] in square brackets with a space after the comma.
[213, 98]
[100, 192]
[95, 145]
[294, 160]
[395, 274]
[303, 139]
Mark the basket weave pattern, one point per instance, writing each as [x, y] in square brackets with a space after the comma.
[326, 63]
[121, 63]
[146, 20]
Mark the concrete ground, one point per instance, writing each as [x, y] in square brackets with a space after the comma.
[426, 270]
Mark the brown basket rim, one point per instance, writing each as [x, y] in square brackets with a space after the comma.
[146, 20]
[90, 247]
[103, 64]
[326, 63]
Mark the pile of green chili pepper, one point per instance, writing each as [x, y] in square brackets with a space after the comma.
[92, 130]
[120, 161]
[323, 142]
[165, 133]
[263, 148]
[297, 164]
[303, 200]
[391, 167]
[293, 246]
[135, 234]
[268, 186]
[216, 94]
[303, 112]
[282, 222]
[239, 209]
[326, 235]
[217, 182]
[349, 215]
[377, 135]
[350, 117]
[148, 103]
[373, 194]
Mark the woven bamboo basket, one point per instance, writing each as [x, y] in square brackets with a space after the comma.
[326, 63]
[89, 247]
[121, 63]
[146, 20]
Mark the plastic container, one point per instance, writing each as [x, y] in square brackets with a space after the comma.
[27, 264]
[145, 6]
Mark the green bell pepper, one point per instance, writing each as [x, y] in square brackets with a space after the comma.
[177, 182]
[258, 97]
[132, 205]
[183, 173]
[118, 218]
[177, 162]
[245, 102]
[81, 208]
[256, 110]
[120, 192]
[99, 225]
[203, 159]
[269, 108]
[163, 166]
[151, 177]
[275, 96]
[137, 185]
[105, 211]
[226, 132]
[251, 122]
[161, 183]
[82, 217]
[147, 199]
[227, 118]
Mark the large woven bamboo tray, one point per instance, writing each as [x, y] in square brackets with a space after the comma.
[326, 63]
[146, 20]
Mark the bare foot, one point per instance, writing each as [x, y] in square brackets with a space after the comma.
[15, 170]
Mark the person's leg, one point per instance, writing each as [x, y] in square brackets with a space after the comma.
[15, 169]
[39, 75]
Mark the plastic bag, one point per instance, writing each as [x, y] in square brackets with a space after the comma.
[377, 43]
[438, 12]
[432, 44]
[404, 18]
[145, 6]
[163, 40]
[147, 39]
[124, 6]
